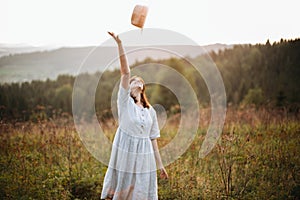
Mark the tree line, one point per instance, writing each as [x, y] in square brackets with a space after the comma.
[260, 75]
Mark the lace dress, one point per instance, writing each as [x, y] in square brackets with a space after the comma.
[131, 173]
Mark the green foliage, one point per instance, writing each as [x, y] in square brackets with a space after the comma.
[273, 68]
[254, 96]
[63, 98]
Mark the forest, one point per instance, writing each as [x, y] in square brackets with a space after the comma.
[260, 75]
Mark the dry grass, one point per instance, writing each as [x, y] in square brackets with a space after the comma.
[257, 158]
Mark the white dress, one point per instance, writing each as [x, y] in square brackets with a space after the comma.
[131, 173]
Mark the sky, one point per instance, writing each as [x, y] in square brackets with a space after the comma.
[86, 22]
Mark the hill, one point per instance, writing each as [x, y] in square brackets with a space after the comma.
[24, 65]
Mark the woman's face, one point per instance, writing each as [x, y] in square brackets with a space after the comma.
[136, 84]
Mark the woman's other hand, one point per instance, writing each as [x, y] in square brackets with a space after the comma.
[163, 173]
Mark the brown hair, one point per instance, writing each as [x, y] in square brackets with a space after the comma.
[144, 98]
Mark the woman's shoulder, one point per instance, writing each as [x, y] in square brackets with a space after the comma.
[152, 110]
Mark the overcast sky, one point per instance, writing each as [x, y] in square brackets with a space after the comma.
[82, 23]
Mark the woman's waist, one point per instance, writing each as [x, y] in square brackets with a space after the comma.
[134, 132]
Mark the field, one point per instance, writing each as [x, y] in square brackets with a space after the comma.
[256, 158]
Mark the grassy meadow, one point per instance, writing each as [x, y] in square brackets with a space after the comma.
[257, 157]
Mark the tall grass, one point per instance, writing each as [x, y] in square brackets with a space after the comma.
[256, 158]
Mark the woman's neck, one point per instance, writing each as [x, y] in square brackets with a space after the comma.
[138, 99]
[139, 104]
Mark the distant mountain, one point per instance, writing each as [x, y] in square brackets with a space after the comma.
[26, 63]
[13, 49]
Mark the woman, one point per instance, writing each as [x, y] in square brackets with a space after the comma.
[131, 173]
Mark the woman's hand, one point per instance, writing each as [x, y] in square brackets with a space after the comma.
[116, 37]
[163, 173]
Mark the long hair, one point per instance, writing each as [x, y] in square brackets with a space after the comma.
[144, 99]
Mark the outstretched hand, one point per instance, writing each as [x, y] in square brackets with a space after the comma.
[116, 37]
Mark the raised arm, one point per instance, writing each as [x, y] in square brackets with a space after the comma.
[125, 70]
